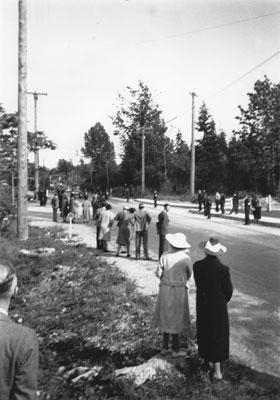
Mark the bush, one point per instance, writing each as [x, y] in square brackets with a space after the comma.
[6, 207]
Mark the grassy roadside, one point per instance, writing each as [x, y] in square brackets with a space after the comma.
[87, 314]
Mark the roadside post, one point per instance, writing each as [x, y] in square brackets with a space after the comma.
[70, 216]
[268, 203]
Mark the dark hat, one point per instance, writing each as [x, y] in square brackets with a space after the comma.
[212, 247]
[141, 205]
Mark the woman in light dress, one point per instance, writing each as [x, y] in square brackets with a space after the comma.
[106, 220]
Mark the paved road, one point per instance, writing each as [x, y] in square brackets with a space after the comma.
[254, 259]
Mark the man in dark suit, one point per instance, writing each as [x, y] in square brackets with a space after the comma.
[19, 346]
[141, 220]
[162, 229]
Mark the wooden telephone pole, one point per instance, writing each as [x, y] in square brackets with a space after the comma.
[36, 152]
[192, 183]
[22, 216]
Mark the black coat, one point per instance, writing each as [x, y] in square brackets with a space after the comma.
[214, 290]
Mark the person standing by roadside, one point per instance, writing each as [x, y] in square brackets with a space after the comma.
[155, 198]
[123, 219]
[222, 203]
[208, 205]
[162, 229]
[94, 204]
[76, 208]
[127, 193]
[213, 291]
[141, 220]
[200, 200]
[55, 203]
[235, 204]
[217, 201]
[19, 356]
[65, 207]
[100, 208]
[172, 313]
[106, 222]
[86, 210]
[256, 208]
[247, 207]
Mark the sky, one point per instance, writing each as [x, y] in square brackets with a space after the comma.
[83, 53]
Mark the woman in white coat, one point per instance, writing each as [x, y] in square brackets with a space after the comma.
[106, 222]
[172, 314]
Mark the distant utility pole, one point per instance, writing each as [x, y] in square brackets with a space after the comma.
[143, 130]
[22, 216]
[36, 152]
[192, 183]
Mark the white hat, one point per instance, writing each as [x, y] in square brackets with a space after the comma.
[212, 247]
[178, 240]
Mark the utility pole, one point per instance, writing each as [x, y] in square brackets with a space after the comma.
[36, 152]
[143, 160]
[192, 183]
[143, 130]
[22, 216]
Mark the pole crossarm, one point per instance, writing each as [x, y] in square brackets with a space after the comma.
[36, 152]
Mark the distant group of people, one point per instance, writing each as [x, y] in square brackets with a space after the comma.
[250, 204]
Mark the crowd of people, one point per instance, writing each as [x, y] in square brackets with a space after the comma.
[19, 358]
[250, 203]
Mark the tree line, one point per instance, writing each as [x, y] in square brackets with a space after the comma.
[248, 161]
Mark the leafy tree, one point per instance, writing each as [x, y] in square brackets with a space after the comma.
[211, 154]
[259, 135]
[100, 150]
[137, 113]
[8, 140]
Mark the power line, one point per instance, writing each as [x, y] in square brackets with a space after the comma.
[209, 28]
[247, 73]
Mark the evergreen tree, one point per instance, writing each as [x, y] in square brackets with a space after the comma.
[211, 154]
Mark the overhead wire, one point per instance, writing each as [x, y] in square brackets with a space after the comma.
[208, 28]
[246, 74]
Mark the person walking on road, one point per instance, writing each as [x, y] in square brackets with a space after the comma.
[172, 314]
[213, 292]
[19, 356]
[162, 229]
[141, 221]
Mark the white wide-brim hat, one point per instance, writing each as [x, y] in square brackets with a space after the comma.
[212, 247]
[177, 240]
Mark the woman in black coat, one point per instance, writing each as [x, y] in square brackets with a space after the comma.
[213, 292]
